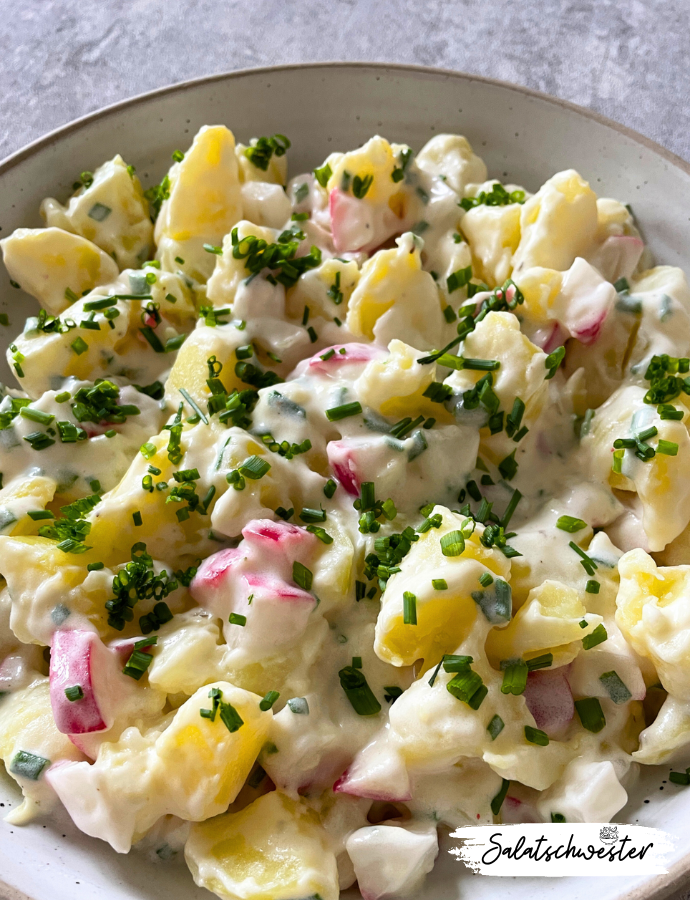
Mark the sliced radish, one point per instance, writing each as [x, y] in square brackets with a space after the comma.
[276, 613]
[352, 221]
[345, 353]
[267, 536]
[618, 256]
[378, 772]
[341, 459]
[548, 698]
[209, 585]
[584, 301]
[81, 663]
[550, 337]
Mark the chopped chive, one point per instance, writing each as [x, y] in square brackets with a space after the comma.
[343, 412]
[268, 700]
[464, 685]
[74, 693]
[360, 590]
[28, 765]
[330, 488]
[320, 533]
[439, 584]
[486, 579]
[254, 467]
[453, 543]
[229, 716]
[497, 801]
[598, 636]
[514, 677]
[79, 346]
[313, 336]
[194, 405]
[667, 448]
[356, 662]
[591, 714]
[495, 727]
[409, 608]
[393, 692]
[358, 692]
[313, 515]
[680, 778]
[570, 524]
[592, 586]
[38, 514]
[615, 687]
[510, 509]
[237, 619]
[535, 736]
[302, 576]
[136, 516]
[508, 467]
[95, 567]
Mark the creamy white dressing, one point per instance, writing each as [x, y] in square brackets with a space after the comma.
[327, 529]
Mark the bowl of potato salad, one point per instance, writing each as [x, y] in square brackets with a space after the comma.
[344, 495]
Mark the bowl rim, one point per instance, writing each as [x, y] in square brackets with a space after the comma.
[677, 877]
[9, 162]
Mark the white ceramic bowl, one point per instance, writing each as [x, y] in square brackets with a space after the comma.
[524, 137]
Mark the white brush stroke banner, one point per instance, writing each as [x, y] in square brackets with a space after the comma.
[562, 850]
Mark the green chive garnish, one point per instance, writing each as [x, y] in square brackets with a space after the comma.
[535, 736]
[591, 714]
[409, 608]
[570, 524]
[343, 412]
[358, 692]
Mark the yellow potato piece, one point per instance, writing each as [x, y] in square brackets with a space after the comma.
[557, 224]
[112, 212]
[274, 849]
[205, 764]
[27, 724]
[493, 233]
[444, 618]
[46, 262]
[394, 280]
[549, 620]
[204, 203]
[653, 606]
[375, 158]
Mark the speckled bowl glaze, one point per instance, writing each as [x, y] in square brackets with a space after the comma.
[524, 138]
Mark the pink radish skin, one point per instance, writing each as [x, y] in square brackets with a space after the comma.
[587, 332]
[548, 698]
[345, 786]
[354, 353]
[81, 658]
[378, 772]
[551, 337]
[267, 536]
[342, 461]
[352, 222]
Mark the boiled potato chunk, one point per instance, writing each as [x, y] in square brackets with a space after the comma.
[274, 849]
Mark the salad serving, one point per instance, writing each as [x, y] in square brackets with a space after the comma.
[339, 509]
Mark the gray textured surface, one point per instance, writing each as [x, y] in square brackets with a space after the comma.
[624, 58]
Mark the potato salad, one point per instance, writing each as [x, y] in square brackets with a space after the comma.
[339, 510]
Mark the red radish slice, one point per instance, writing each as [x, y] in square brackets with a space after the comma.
[352, 221]
[618, 256]
[268, 536]
[345, 353]
[377, 773]
[548, 698]
[209, 583]
[341, 459]
[80, 659]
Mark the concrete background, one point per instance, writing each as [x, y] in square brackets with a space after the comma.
[627, 59]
